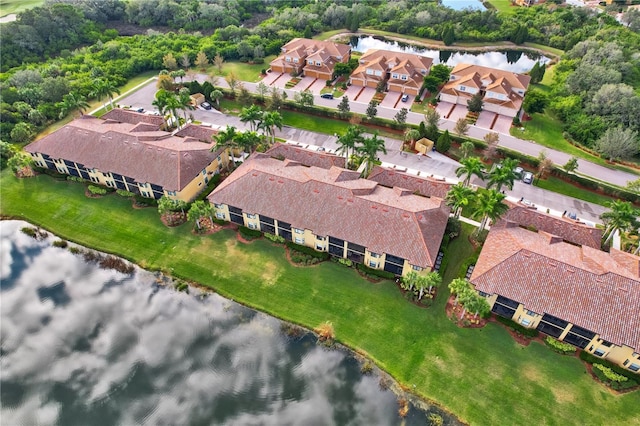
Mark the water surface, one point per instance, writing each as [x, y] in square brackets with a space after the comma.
[463, 4]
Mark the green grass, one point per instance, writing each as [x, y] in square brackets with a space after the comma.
[243, 71]
[328, 34]
[503, 6]
[7, 7]
[552, 183]
[481, 375]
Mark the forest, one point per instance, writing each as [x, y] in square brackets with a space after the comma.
[67, 46]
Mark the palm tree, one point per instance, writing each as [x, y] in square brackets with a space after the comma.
[270, 121]
[489, 206]
[227, 138]
[251, 115]
[411, 135]
[458, 197]
[71, 102]
[98, 90]
[200, 209]
[369, 149]
[248, 141]
[161, 105]
[410, 280]
[466, 149]
[458, 286]
[216, 95]
[621, 217]
[468, 167]
[432, 279]
[185, 102]
[173, 104]
[503, 174]
[110, 89]
[349, 141]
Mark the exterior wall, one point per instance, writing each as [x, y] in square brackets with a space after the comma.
[316, 74]
[198, 183]
[445, 97]
[523, 316]
[409, 267]
[499, 109]
[402, 89]
[357, 82]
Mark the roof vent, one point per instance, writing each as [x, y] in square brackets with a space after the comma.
[316, 191]
[374, 207]
[350, 200]
[280, 181]
[553, 264]
[254, 174]
[340, 197]
[571, 270]
[385, 209]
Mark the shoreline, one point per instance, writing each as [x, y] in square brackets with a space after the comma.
[163, 279]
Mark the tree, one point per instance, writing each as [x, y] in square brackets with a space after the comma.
[571, 165]
[461, 127]
[166, 205]
[634, 185]
[489, 207]
[469, 167]
[349, 141]
[233, 82]
[520, 35]
[71, 102]
[544, 164]
[478, 305]
[169, 62]
[401, 116]
[227, 138]
[165, 82]
[537, 73]
[97, 90]
[276, 99]
[466, 149]
[459, 286]
[622, 216]
[184, 100]
[110, 89]
[475, 103]
[198, 210]
[381, 86]
[503, 174]
[252, 115]
[20, 161]
[270, 121]
[218, 61]
[179, 73]
[22, 132]
[262, 90]
[448, 35]
[444, 142]
[372, 109]
[411, 136]
[369, 149]
[491, 150]
[618, 143]
[202, 61]
[304, 98]
[185, 62]
[409, 281]
[248, 141]
[431, 117]
[535, 101]
[458, 197]
[342, 70]
[215, 96]
[441, 72]
[343, 107]
[431, 280]
[431, 83]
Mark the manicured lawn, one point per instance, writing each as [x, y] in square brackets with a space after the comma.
[7, 7]
[243, 71]
[328, 34]
[503, 6]
[481, 375]
[554, 184]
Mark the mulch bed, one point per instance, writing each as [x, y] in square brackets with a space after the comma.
[91, 195]
[207, 227]
[454, 311]
[172, 219]
[418, 303]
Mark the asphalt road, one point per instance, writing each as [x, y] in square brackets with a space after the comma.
[435, 164]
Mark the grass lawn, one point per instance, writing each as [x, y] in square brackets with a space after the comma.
[328, 34]
[481, 375]
[503, 6]
[7, 7]
[242, 70]
[554, 184]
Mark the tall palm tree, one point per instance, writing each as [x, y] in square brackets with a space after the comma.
[270, 121]
[161, 105]
[503, 174]
[348, 142]
[227, 138]
[216, 95]
[172, 104]
[369, 149]
[458, 197]
[98, 90]
[251, 115]
[110, 89]
[248, 141]
[621, 217]
[185, 102]
[411, 135]
[72, 101]
[489, 207]
[469, 167]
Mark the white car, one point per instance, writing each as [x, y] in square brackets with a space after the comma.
[527, 177]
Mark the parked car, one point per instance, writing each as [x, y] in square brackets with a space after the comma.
[518, 171]
[206, 105]
[527, 177]
[139, 109]
[327, 95]
[404, 98]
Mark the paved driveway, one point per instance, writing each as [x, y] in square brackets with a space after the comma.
[391, 99]
[282, 81]
[352, 92]
[485, 119]
[502, 124]
[316, 87]
[444, 108]
[366, 95]
[459, 112]
[271, 77]
[304, 84]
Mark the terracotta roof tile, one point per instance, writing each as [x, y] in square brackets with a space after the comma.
[324, 160]
[422, 185]
[132, 117]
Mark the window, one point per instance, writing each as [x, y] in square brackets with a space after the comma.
[374, 255]
[298, 231]
[378, 73]
[219, 158]
[373, 264]
[462, 88]
[204, 171]
[525, 322]
[318, 63]
[416, 268]
[217, 206]
[299, 240]
[288, 59]
[310, 62]
[339, 58]
[144, 193]
[634, 367]
[530, 312]
[625, 362]
[404, 77]
[251, 216]
[423, 71]
[295, 60]
[599, 352]
[394, 75]
[220, 215]
[319, 247]
[369, 72]
[636, 354]
[607, 344]
[252, 225]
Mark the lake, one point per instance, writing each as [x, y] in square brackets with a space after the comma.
[507, 60]
[83, 345]
[463, 4]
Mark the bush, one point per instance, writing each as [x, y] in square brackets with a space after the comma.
[60, 243]
[609, 374]
[303, 258]
[35, 233]
[322, 255]
[471, 260]
[375, 272]
[528, 332]
[74, 250]
[124, 193]
[220, 222]
[249, 234]
[633, 379]
[346, 262]
[96, 190]
[75, 179]
[435, 419]
[144, 201]
[275, 238]
[559, 347]
[453, 227]
[366, 368]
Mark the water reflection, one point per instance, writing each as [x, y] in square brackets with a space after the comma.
[463, 4]
[83, 345]
[509, 60]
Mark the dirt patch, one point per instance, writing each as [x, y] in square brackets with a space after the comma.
[455, 312]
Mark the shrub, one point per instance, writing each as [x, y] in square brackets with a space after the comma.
[117, 264]
[96, 190]
[29, 231]
[633, 379]
[144, 201]
[219, 221]
[435, 419]
[346, 262]
[325, 331]
[471, 260]
[366, 368]
[308, 250]
[75, 250]
[60, 243]
[275, 238]
[303, 258]
[124, 193]
[528, 332]
[558, 346]
[35, 233]
[375, 272]
[453, 227]
[75, 179]
[249, 234]
[182, 286]
[609, 374]
[291, 330]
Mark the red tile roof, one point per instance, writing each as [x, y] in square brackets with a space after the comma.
[132, 117]
[422, 185]
[324, 160]
[338, 203]
[148, 157]
[585, 286]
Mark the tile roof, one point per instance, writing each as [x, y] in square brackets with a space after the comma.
[303, 47]
[403, 63]
[148, 157]
[569, 230]
[425, 186]
[516, 80]
[338, 203]
[132, 117]
[585, 286]
[324, 160]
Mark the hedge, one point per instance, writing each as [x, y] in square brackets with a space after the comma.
[589, 358]
[559, 347]
[308, 250]
[375, 272]
[249, 233]
[529, 332]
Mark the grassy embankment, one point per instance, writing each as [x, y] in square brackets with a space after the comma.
[7, 7]
[482, 375]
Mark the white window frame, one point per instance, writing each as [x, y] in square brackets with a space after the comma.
[374, 255]
[394, 75]
[404, 77]
[369, 71]
[288, 58]
[462, 88]
[220, 215]
[310, 62]
[373, 264]
[318, 63]
[295, 60]
[416, 268]
[252, 225]
[525, 322]
[251, 216]
[298, 240]
[597, 352]
[634, 367]
[298, 231]
[378, 73]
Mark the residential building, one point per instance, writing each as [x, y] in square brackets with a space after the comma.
[403, 72]
[313, 58]
[322, 159]
[421, 185]
[575, 293]
[334, 210]
[502, 91]
[128, 151]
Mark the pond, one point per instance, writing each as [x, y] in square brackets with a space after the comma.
[463, 4]
[507, 60]
[83, 345]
